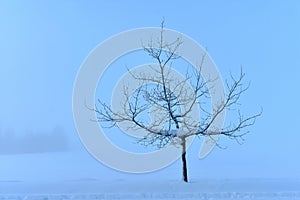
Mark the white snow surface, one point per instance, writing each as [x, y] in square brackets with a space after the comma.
[59, 176]
[122, 189]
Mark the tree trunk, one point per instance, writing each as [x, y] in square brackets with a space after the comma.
[183, 158]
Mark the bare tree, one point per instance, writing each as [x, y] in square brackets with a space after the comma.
[168, 94]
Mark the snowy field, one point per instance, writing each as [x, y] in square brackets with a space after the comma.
[198, 189]
[58, 176]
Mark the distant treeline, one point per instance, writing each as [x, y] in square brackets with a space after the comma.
[33, 142]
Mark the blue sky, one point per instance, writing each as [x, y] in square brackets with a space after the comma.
[42, 45]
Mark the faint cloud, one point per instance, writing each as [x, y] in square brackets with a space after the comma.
[33, 142]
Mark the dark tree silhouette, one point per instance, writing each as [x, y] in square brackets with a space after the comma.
[167, 94]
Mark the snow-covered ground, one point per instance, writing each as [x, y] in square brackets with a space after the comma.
[121, 189]
[55, 176]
